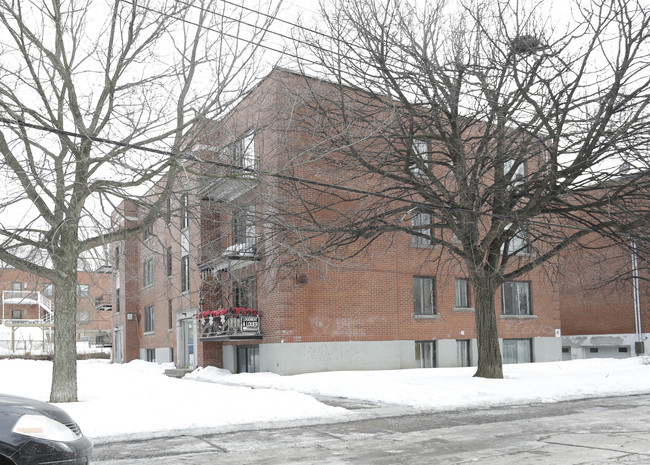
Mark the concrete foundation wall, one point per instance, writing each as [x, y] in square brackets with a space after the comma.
[295, 358]
[164, 355]
[547, 349]
[607, 344]
[446, 353]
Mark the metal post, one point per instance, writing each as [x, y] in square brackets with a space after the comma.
[639, 346]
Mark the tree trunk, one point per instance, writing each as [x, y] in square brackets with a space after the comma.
[489, 353]
[64, 370]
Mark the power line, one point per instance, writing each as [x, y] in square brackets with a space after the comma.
[286, 177]
[267, 30]
[227, 34]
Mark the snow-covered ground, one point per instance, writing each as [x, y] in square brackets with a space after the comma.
[137, 398]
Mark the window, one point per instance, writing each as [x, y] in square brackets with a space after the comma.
[185, 214]
[185, 273]
[515, 175]
[519, 243]
[148, 272]
[462, 293]
[248, 359]
[16, 314]
[420, 157]
[168, 212]
[170, 313]
[147, 233]
[16, 289]
[117, 258]
[169, 261]
[623, 350]
[83, 290]
[150, 355]
[117, 301]
[244, 152]
[83, 317]
[462, 352]
[243, 226]
[149, 319]
[245, 293]
[516, 298]
[517, 351]
[47, 290]
[425, 354]
[424, 302]
[422, 231]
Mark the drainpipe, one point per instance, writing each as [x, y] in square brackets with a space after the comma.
[638, 346]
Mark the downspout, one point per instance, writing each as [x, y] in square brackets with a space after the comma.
[639, 349]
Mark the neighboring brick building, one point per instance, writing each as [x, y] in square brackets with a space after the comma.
[28, 301]
[201, 287]
[602, 315]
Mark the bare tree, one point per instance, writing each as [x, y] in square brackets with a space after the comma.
[491, 129]
[81, 84]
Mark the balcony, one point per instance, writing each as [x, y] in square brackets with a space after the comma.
[103, 303]
[231, 324]
[28, 298]
[231, 258]
[232, 185]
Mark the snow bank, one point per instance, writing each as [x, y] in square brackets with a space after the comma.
[137, 398]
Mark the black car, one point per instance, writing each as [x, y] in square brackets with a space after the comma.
[36, 433]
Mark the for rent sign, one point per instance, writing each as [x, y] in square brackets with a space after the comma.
[250, 323]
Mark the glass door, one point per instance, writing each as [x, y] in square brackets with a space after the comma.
[186, 358]
[462, 352]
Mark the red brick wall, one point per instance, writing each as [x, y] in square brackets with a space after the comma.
[596, 291]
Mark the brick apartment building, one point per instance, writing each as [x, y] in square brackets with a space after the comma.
[28, 302]
[201, 286]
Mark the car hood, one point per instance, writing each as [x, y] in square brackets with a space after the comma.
[22, 405]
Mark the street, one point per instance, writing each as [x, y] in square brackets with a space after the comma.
[597, 431]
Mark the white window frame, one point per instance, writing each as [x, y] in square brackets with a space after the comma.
[423, 285]
[462, 293]
[244, 152]
[425, 354]
[48, 290]
[83, 290]
[520, 296]
[420, 150]
[517, 351]
[185, 213]
[519, 243]
[244, 233]
[149, 319]
[147, 270]
[517, 178]
[418, 219]
[185, 273]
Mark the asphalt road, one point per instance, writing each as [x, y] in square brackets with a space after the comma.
[597, 431]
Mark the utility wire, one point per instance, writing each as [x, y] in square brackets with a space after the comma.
[243, 170]
[227, 34]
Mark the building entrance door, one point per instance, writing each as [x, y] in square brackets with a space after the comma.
[118, 346]
[186, 358]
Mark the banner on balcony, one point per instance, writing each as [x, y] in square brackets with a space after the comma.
[229, 322]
